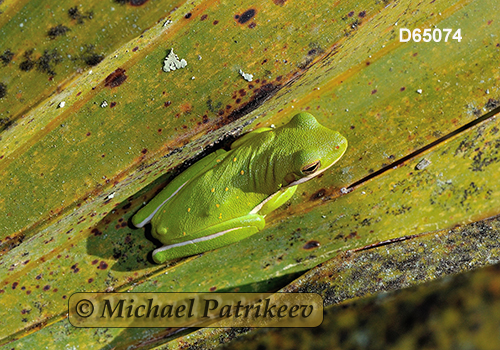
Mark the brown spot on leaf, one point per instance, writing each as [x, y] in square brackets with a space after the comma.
[374, 91]
[362, 14]
[188, 15]
[166, 104]
[215, 22]
[245, 16]
[102, 266]
[135, 49]
[144, 151]
[279, 2]
[116, 78]
[311, 245]
[186, 107]
[212, 289]
[252, 25]
[204, 17]
[46, 287]
[318, 194]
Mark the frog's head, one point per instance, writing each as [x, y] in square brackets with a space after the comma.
[311, 148]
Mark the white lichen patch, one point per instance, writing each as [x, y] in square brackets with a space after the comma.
[246, 76]
[172, 62]
[104, 104]
[424, 163]
[61, 104]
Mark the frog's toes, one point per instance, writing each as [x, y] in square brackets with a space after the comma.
[161, 231]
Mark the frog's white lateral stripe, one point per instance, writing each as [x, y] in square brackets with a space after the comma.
[259, 207]
[196, 240]
[148, 219]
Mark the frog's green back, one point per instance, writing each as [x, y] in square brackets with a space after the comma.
[237, 182]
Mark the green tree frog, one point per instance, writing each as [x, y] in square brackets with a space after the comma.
[224, 197]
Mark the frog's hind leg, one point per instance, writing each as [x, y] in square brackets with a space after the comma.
[212, 238]
[146, 213]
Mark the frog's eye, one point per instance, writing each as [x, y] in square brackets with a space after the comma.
[311, 168]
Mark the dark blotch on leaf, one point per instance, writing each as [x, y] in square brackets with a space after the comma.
[96, 232]
[246, 16]
[3, 90]
[92, 59]
[279, 2]
[138, 2]
[6, 57]
[26, 66]
[47, 60]
[116, 78]
[362, 14]
[74, 13]
[492, 103]
[28, 63]
[188, 15]
[311, 245]
[56, 31]
[204, 17]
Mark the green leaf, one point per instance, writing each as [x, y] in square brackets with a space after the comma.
[82, 148]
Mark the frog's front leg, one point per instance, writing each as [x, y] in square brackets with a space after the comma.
[275, 201]
[211, 238]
